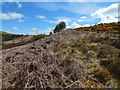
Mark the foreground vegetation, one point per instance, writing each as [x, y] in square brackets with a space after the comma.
[67, 59]
[99, 52]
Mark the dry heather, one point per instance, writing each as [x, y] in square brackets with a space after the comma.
[68, 59]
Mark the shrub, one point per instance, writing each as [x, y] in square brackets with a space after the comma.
[112, 66]
[116, 44]
[36, 37]
[2, 44]
[102, 75]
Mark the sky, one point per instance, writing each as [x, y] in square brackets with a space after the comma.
[42, 17]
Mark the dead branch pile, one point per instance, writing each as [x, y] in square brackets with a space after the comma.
[37, 68]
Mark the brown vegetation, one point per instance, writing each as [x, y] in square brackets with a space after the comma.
[68, 59]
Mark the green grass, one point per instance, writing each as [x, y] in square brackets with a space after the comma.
[39, 36]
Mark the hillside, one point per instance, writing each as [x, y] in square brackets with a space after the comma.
[8, 36]
[103, 27]
[68, 59]
[9, 40]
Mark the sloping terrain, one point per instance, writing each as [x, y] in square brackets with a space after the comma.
[9, 40]
[19, 41]
[102, 27]
[75, 59]
[8, 36]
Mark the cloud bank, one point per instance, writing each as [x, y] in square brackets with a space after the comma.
[108, 14]
[8, 16]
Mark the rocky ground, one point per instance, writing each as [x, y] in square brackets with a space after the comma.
[68, 59]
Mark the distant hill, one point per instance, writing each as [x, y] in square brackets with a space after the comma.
[8, 36]
[10, 40]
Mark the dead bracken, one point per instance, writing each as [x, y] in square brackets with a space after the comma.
[68, 59]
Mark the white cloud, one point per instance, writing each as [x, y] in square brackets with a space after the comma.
[76, 25]
[40, 17]
[73, 25]
[35, 31]
[51, 21]
[59, 19]
[15, 28]
[80, 20]
[108, 14]
[8, 16]
[83, 17]
[86, 25]
[32, 33]
[49, 29]
[70, 20]
[38, 31]
[109, 19]
[19, 4]
[67, 20]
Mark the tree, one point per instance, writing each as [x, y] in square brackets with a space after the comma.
[60, 27]
[50, 33]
